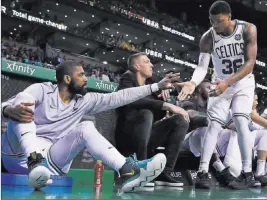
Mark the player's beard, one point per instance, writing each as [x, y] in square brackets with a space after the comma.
[77, 89]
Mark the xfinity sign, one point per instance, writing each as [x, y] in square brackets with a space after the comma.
[106, 86]
[20, 68]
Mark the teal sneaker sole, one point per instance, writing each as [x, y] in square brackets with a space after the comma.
[147, 174]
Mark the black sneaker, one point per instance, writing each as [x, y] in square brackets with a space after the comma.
[165, 179]
[203, 180]
[243, 181]
[136, 174]
[262, 179]
[225, 177]
[39, 174]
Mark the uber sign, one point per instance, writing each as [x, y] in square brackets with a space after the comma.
[153, 53]
[150, 23]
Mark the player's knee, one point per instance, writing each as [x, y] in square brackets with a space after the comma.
[241, 120]
[215, 124]
[199, 133]
[178, 120]
[264, 138]
[87, 127]
[262, 145]
[146, 115]
[241, 123]
[23, 97]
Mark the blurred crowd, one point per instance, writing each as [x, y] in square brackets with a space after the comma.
[136, 8]
[21, 50]
[119, 41]
[28, 49]
[111, 41]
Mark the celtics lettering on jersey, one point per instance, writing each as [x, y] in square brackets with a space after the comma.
[228, 52]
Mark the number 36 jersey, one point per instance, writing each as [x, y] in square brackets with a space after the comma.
[228, 54]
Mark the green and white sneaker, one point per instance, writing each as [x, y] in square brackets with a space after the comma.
[136, 174]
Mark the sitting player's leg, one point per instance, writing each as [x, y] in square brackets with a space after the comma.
[193, 141]
[137, 129]
[209, 144]
[241, 108]
[169, 132]
[133, 173]
[223, 173]
[227, 147]
[232, 156]
[218, 111]
[216, 162]
[23, 140]
[261, 146]
[193, 144]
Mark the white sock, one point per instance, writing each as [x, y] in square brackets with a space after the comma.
[218, 166]
[260, 167]
[246, 165]
[209, 145]
[245, 142]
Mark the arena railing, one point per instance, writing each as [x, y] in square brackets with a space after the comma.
[41, 73]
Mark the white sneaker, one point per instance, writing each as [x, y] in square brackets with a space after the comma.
[39, 174]
[150, 184]
[139, 173]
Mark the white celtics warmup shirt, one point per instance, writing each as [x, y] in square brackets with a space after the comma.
[228, 52]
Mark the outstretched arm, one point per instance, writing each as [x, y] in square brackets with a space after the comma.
[200, 72]
[205, 47]
[97, 102]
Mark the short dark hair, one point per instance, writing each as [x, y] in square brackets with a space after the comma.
[220, 7]
[132, 58]
[65, 68]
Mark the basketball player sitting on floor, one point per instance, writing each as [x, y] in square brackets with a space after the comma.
[232, 44]
[44, 126]
[227, 147]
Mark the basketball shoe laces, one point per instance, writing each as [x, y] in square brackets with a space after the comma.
[141, 163]
[134, 164]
